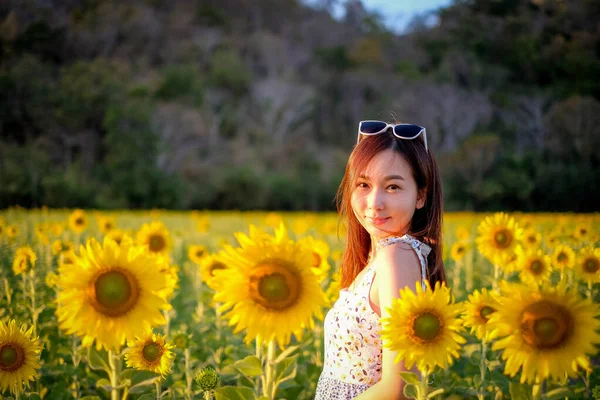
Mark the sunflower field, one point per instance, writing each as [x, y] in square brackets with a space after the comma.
[230, 305]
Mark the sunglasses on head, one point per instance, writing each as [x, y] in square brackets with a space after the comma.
[401, 131]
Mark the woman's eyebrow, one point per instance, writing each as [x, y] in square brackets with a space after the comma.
[392, 177]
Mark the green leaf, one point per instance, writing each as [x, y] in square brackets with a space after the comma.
[559, 393]
[147, 396]
[141, 380]
[519, 391]
[435, 393]
[286, 353]
[411, 391]
[98, 361]
[410, 377]
[104, 384]
[286, 369]
[234, 393]
[476, 381]
[249, 366]
[90, 398]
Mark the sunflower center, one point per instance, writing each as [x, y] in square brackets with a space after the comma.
[503, 238]
[199, 253]
[460, 250]
[215, 266]
[114, 293]
[426, 327]
[156, 243]
[485, 312]
[79, 221]
[152, 352]
[274, 285]
[546, 325]
[591, 265]
[316, 259]
[536, 267]
[12, 357]
[561, 257]
[108, 226]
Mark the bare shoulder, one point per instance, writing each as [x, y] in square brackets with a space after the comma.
[398, 258]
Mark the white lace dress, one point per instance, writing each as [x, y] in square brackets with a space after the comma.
[352, 334]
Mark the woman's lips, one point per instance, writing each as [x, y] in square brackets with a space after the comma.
[378, 221]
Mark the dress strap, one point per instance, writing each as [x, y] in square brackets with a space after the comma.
[421, 249]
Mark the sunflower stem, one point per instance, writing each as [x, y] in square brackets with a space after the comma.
[114, 362]
[157, 384]
[536, 391]
[482, 368]
[269, 386]
[424, 389]
[207, 395]
[496, 276]
[34, 311]
[469, 273]
[188, 375]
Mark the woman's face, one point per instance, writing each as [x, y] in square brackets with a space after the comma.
[385, 196]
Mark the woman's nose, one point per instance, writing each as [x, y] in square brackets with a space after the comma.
[375, 200]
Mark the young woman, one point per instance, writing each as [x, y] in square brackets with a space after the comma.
[391, 198]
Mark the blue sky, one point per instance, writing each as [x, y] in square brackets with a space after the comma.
[397, 13]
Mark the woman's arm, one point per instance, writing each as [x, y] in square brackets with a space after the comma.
[397, 267]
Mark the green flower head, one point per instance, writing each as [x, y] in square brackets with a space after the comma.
[207, 378]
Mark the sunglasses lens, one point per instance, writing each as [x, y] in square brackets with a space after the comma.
[407, 131]
[370, 127]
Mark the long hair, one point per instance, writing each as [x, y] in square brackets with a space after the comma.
[426, 224]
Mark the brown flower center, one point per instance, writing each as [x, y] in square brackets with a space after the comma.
[546, 325]
[152, 352]
[426, 327]
[156, 243]
[485, 312]
[12, 357]
[274, 284]
[113, 293]
[537, 267]
[503, 238]
[591, 265]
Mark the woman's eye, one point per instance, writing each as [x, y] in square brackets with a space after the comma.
[393, 187]
[362, 185]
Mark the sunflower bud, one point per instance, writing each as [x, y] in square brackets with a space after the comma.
[207, 378]
[181, 341]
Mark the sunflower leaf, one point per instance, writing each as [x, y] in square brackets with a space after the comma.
[558, 393]
[96, 361]
[286, 369]
[249, 366]
[287, 352]
[410, 378]
[234, 393]
[519, 391]
[411, 391]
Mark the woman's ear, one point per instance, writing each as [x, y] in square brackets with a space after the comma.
[421, 197]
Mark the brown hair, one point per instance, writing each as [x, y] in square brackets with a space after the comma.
[426, 224]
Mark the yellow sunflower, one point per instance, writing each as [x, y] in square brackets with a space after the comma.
[498, 238]
[320, 252]
[66, 259]
[155, 237]
[150, 352]
[118, 235]
[462, 233]
[587, 266]
[423, 328]
[458, 251]
[533, 265]
[24, 260]
[12, 231]
[563, 257]
[78, 221]
[196, 253]
[477, 312]
[41, 232]
[19, 355]
[546, 333]
[583, 232]
[106, 224]
[271, 292]
[208, 266]
[532, 238]
[57, 229]
[111, 293]
[60, 246]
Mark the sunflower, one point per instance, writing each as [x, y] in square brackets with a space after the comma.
[423, 327]
[19, 354]
[458, 251]
[534, 266]
[270, 291]
[155, 237]
[111, 293]
[498, 238]
[208, 266]
[78, 221]
[105, 224]
[12, 231]
[24, 260]
[150, 352]
[41, 232]
[563, 257]
[583, 232]
[196, 253]
[57, 229]
[320, 252]
[118, 235]
[477, 313]
[60, 246]
[462, 233]
[545, 332]
[66, 259]
[532, 238]
[588, 264]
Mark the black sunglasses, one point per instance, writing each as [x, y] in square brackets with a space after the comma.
[401, 131]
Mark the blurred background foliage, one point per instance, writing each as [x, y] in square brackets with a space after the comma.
[254, 105]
